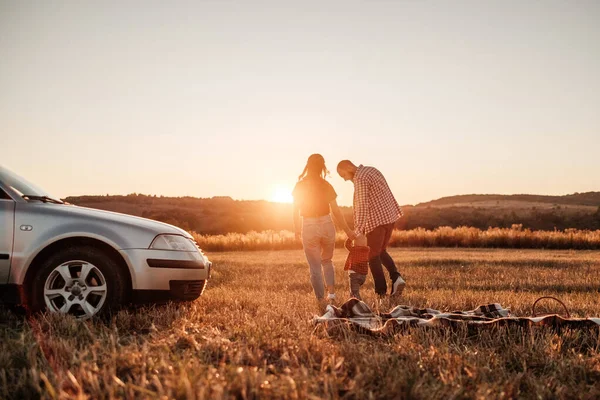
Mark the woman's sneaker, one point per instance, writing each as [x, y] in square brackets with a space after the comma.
[398, 286]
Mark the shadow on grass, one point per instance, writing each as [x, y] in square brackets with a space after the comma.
[142, 319]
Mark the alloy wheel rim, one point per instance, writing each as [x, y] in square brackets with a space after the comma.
[75, 287]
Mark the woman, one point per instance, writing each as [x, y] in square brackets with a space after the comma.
[314, 200]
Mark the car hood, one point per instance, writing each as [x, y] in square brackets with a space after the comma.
[73, 212]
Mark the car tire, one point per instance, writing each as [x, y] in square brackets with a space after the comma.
[58, 284]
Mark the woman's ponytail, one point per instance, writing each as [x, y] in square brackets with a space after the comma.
[315, 167]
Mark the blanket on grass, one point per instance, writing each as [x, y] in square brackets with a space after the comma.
[355, 315]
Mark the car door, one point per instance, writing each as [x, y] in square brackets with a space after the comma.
[7, 228]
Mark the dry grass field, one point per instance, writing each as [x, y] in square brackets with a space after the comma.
[514, 237]
[251, 335]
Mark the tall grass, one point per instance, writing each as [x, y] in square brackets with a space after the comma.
[515, 238]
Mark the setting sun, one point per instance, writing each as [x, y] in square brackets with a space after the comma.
[282, 194]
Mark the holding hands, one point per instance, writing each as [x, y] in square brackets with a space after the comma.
[360, 240]
[351, 235]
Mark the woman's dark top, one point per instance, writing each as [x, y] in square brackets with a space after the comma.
[312, 195]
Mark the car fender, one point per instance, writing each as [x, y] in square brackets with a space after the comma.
[22, 260]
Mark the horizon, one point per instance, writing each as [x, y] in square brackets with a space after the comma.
[232, 98]
[342, 205]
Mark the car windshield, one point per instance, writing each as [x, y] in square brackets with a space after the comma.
[20, 185]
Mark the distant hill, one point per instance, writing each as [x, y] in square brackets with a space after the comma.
[581, 199]
[219, 215]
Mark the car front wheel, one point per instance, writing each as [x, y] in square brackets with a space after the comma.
[81, 281]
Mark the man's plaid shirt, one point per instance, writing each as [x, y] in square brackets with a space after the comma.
[374, 203]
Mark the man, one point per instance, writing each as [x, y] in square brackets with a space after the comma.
[375, 213]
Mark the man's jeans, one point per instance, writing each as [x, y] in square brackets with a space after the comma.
[318, 240]
[378, 240]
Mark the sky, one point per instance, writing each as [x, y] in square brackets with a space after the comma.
[229, 98]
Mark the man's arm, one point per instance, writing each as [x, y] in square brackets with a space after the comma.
[361, 206]
[339, 218]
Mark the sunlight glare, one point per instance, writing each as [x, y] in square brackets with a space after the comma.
[282, 195]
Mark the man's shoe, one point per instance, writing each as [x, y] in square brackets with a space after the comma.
[398, 286]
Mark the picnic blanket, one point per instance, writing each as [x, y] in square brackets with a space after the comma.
[355, 315]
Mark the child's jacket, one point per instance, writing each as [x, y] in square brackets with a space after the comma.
[358, 258]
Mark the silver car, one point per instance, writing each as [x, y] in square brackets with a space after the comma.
[82, 261]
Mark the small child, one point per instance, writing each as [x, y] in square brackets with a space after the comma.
[357, 265]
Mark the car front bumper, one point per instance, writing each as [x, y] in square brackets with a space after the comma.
[162, 269]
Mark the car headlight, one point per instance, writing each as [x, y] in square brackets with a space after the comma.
[173, 242]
